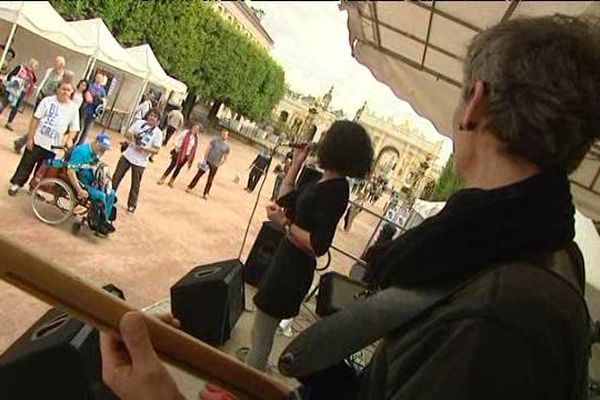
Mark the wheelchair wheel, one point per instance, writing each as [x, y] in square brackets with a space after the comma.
[76, 227]
[53, 201]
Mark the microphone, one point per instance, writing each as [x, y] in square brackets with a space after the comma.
[300, 145]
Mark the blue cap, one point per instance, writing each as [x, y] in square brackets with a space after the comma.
[104, 140]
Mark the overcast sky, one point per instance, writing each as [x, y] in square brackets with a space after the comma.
[311, 43]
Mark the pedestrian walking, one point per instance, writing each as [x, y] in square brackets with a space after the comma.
[257, 169]
[146, 139]
[20, 82]
[174, 123]
[183, 153]
[215, 156]
[93, 104]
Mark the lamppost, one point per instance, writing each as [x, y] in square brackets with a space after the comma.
[420, 173]
[308, 122]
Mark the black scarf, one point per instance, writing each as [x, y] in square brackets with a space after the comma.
[479, 227]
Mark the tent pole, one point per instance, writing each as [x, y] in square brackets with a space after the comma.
[87, 67]
[11, 35]
[91, 65]
[122, 79]
[137, 101]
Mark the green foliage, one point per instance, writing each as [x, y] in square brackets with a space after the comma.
[194, 44]
[447, 183]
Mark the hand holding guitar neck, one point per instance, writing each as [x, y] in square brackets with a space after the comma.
[58, 287]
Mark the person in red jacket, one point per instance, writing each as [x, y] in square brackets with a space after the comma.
[183, 153]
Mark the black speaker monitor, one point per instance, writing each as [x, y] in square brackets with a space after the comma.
[336, 292]
[263, 249]
[209, 300]
[57, 358]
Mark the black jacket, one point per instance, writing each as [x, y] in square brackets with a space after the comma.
[261, 162]
[519, 332]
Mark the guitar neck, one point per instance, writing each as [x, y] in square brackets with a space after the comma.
[58, 287]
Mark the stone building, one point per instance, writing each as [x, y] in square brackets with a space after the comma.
[246, 19]
[402, 153]
[305, 118]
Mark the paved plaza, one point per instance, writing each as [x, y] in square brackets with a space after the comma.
[170, 233]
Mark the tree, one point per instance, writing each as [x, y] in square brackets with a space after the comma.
[194, 44]
[447, 183]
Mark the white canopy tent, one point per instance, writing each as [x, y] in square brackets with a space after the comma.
[157, 78]
[416, 48]
[106, 48]
[156, 73]
[129, 75]
[43, 35]
[177, 86]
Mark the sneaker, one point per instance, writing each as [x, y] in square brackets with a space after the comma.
[188, 190]
[13, 189]
[110, 228]
[205, 196]
[131, 209]
[161, 181]
[9, 126]
[170, 184]
[103, 229]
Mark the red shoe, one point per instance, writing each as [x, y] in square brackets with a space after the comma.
[214, 392]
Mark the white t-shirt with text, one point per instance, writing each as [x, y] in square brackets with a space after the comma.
[144, 136]
[55, 119]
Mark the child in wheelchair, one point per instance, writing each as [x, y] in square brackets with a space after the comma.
[90, 180]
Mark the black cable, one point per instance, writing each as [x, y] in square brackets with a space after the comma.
[327, 263]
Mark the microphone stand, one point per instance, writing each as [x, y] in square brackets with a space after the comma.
[262, 184]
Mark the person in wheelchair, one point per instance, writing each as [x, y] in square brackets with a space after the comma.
[90, 180]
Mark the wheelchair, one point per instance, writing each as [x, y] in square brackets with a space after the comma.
[53, 198]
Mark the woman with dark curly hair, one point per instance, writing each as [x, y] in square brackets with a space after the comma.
[310, 214]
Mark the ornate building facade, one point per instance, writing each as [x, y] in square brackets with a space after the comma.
[402, 154]
[305, 118]
[245, 19]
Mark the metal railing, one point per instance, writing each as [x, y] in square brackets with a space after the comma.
[593, 155]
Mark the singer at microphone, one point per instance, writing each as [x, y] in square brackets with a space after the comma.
[309, 213]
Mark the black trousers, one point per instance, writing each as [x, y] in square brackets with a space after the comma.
[13, 110]
[173, 166]
[29, 160]
[136, 179]
[170, 131]
[87, 123]
[211, 175]
[253, 178]
[276, 187]
[38, 99]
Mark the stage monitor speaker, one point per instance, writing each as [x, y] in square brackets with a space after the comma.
[57, 358]
[337, 291]
[209, 300]
[263, 249]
